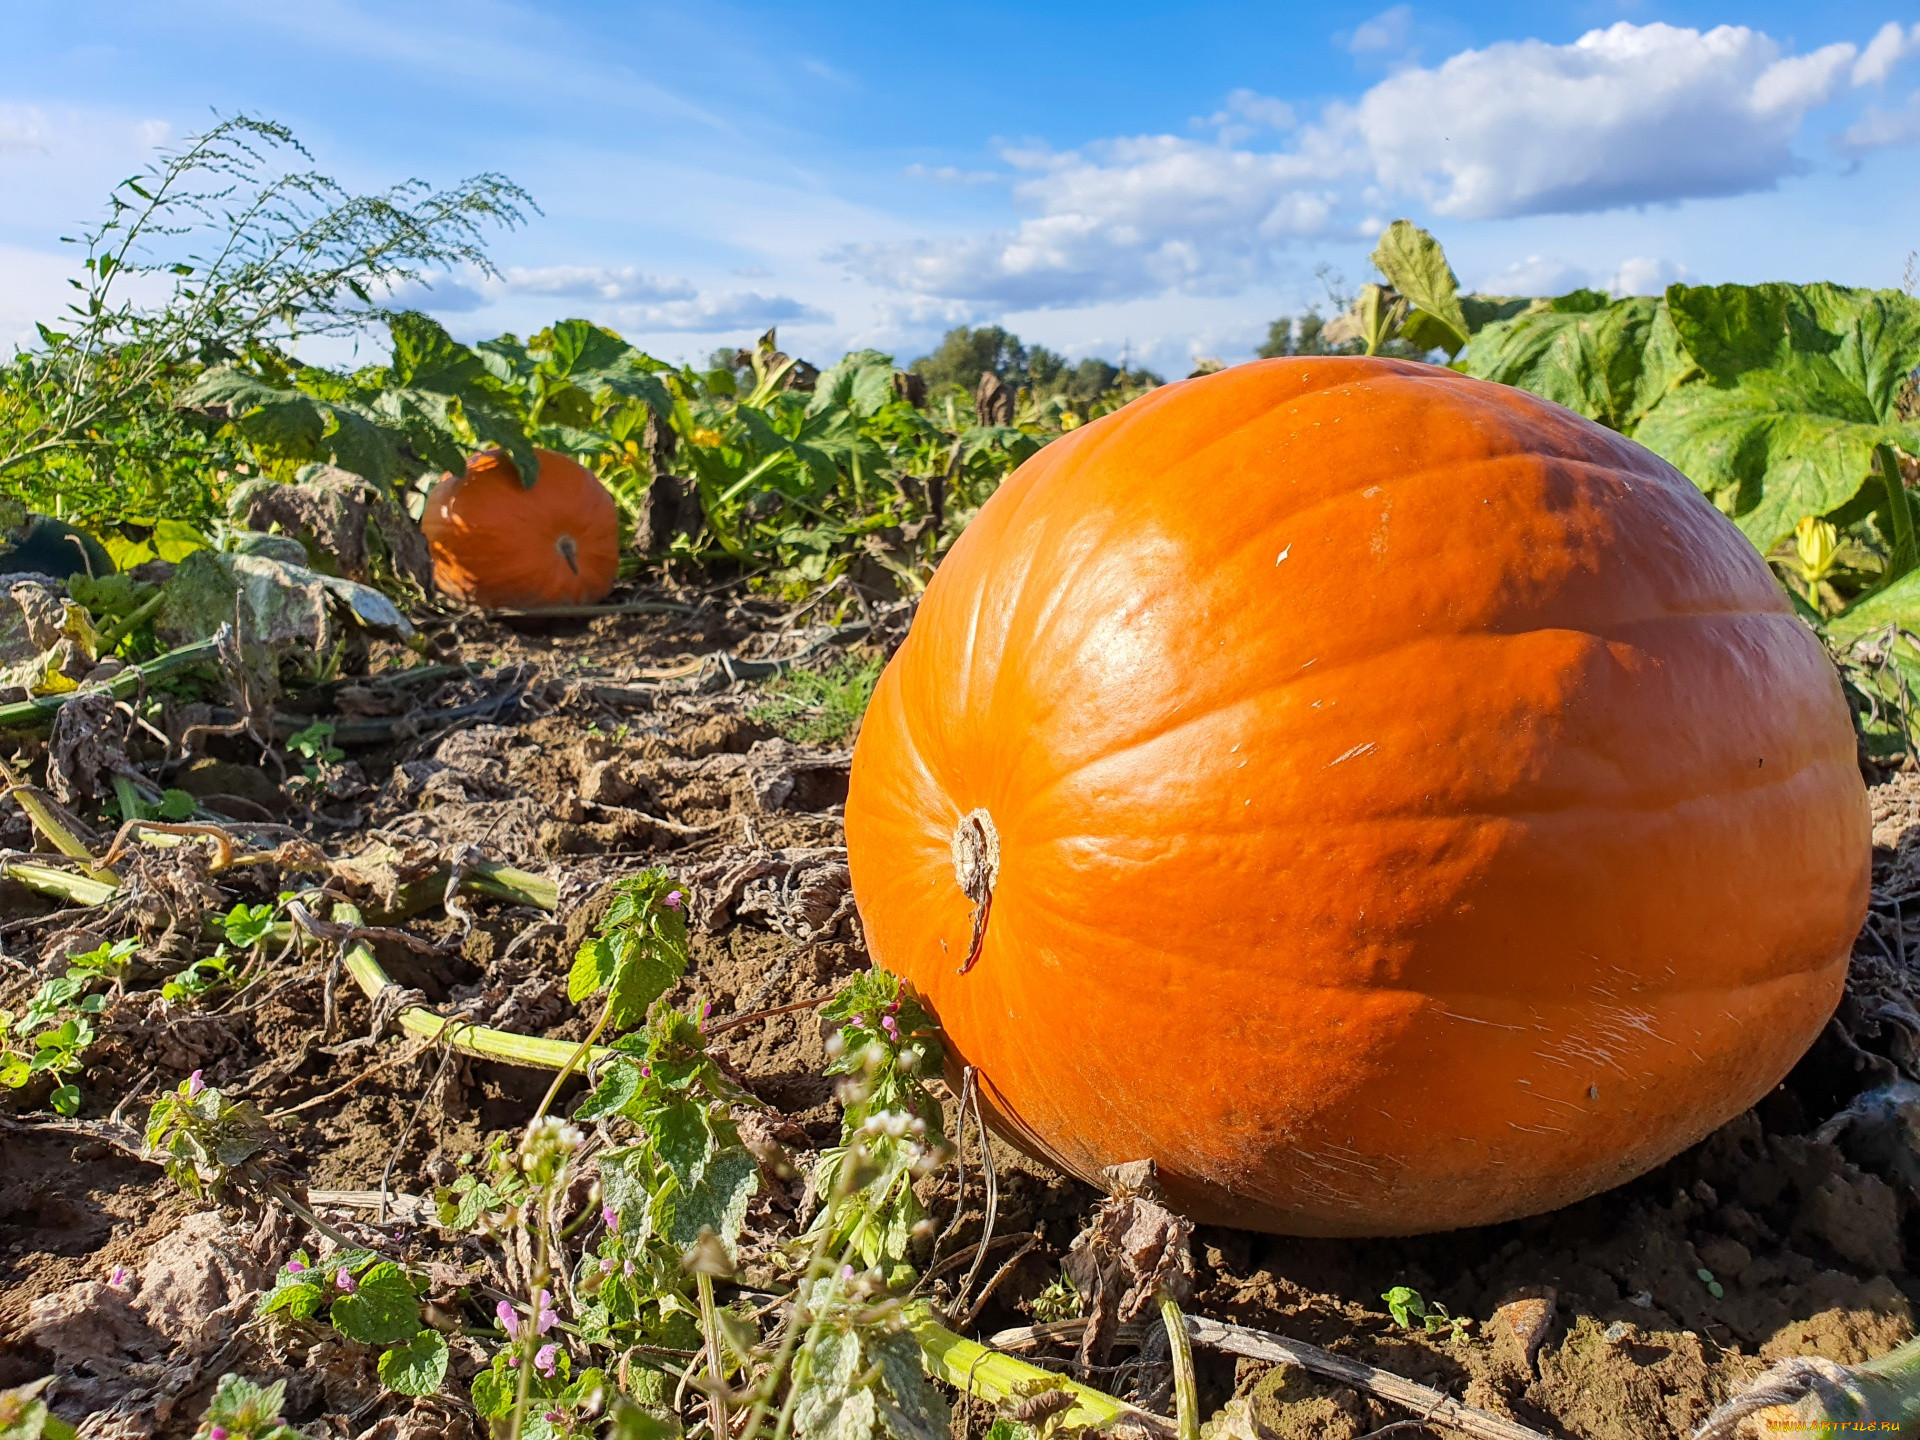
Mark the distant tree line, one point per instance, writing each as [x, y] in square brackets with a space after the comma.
[964, 355]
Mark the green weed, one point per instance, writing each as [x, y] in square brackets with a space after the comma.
[819, 707]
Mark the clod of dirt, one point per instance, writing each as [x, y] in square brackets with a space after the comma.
[128, 1355]
[783, 776]
[88, 747]
[1618, 1382]
[1286, 1403]
[1525, 1320]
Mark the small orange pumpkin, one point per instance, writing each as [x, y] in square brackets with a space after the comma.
[506, 546]
[1385, 799]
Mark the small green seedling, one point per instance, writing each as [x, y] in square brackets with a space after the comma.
[199, 979]
[1714, 1287]
[54, 1031]
[242, 1410]
[369, 1300]
[1410, 1312]
[247, 925]
[205, 1142]
[315, 745]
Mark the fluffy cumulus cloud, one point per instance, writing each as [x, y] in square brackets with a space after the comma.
[1527, 128]
[1123, 218]
[1513, 129]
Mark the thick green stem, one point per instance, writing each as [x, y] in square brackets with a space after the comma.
[468, 1039]
[1186, 1390]
[61, 884]
[26, 714]
[1905, 551]
[118, 631]
[992, 1376]
[40, 811]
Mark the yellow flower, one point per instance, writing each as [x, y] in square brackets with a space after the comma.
[708, 438]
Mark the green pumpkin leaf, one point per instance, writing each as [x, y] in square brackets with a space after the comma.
[417, 1367]
[1611, 363]
[1413, 262]
[1802, 383]
[382, 1310]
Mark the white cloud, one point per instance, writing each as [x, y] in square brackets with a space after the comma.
[1536, 275]
[1388, 33]
[1646, 275]
[1630, 115]
[952, 175]
[595, 282]
[1886, 50]
[1125, 217]
[1247, 113]
[24, 129]
[709, 314]
[1877, 129]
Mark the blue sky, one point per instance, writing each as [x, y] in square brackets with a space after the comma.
[1164, 178]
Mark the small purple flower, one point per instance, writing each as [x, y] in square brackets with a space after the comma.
[118, 1279]
[672, 902]
[217, 1432]
[611, 1218]
[549, 1317]
[554, 1417]
[193, 1087]
[546, 1359]
[294, 1267]
[606, 1264]
[509, 1319]
[891, 1026]
[646, 1072]
[627, 1269]
[846, 1272]
[344, 1279]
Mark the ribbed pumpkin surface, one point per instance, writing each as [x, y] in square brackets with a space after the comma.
[500, 544]
[1416, 806]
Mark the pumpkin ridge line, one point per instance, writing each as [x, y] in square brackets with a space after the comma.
[1176, 961]
[1032, 796]
[1464, 811]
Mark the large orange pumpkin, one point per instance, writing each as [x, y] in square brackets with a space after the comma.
[500, 544]
[1385, 799]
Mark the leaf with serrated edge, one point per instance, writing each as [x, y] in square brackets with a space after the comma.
[417, 1367]
[382, 1310]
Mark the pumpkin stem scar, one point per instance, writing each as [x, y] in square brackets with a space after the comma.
[976, 865]
[569, 551]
